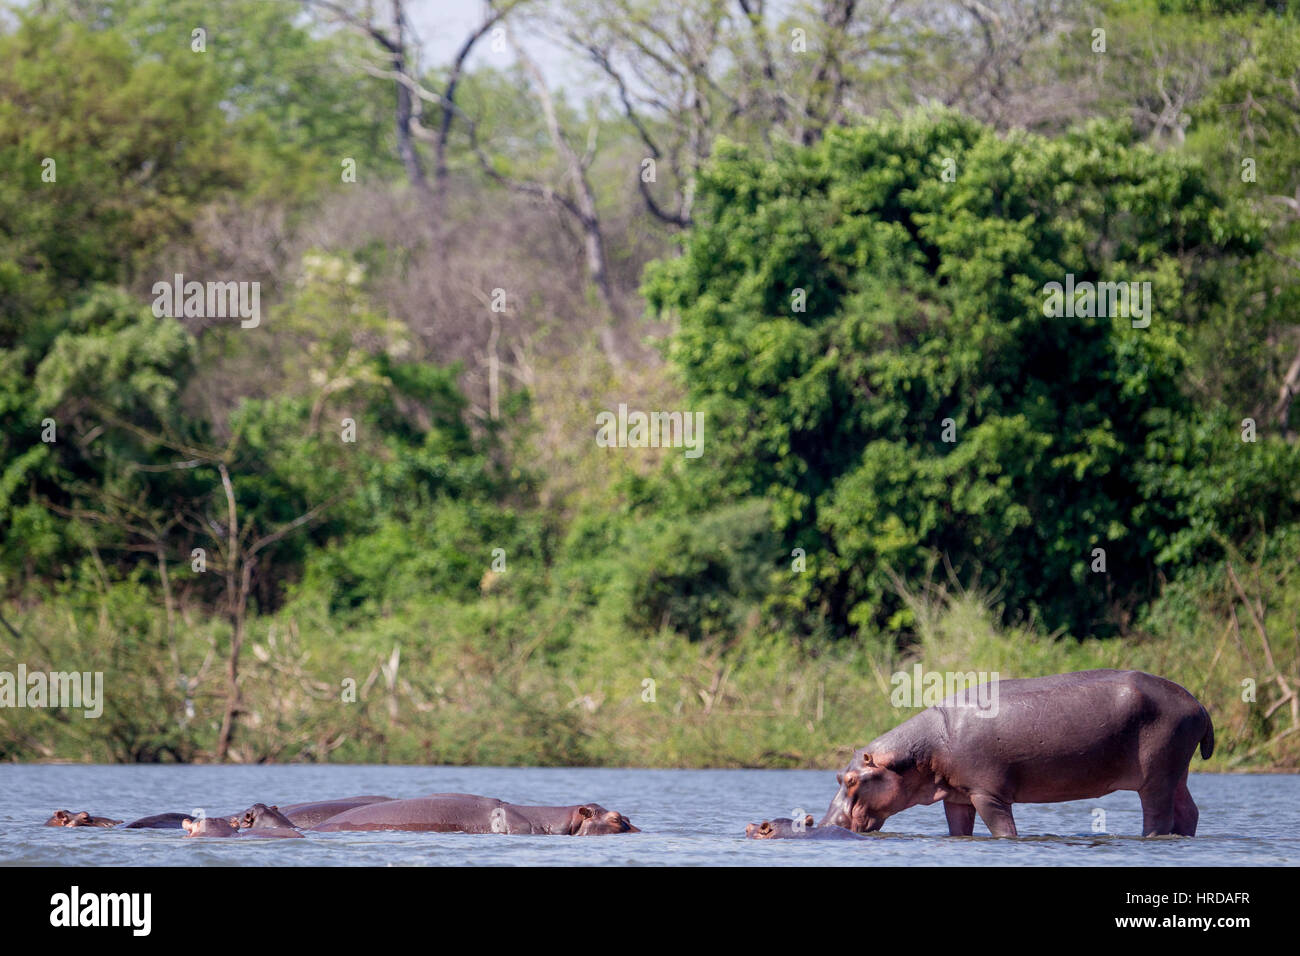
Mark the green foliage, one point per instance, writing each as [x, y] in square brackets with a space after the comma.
[286, 88]
[1247, 135]
[134, 143]
[1210, 488]
[702, 575]
[925, 303]
[661, 611]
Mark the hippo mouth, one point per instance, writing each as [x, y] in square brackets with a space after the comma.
[860, 821]
[836, 814]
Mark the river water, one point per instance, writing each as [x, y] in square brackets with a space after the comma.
[689, 817]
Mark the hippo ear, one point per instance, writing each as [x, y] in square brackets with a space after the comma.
[808, 821]
[83, 816]
[898, 763]
[584, 812]
[868, 760]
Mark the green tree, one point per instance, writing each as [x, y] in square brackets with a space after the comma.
[872, 346]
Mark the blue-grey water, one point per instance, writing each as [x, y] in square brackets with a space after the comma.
[689, 817]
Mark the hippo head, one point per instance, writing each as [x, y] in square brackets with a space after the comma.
[772, 829]
[260, 815]
[66, 818]
[873, 788]
[591, 819]
[211, 826]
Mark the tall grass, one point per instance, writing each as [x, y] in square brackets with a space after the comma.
[503, 681]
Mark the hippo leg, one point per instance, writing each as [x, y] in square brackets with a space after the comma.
[996, 814]
[1185, 812]
[1157, 809]
[961, 818]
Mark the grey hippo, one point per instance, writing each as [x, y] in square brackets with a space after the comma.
[67, 818]
[469, 813]
[1044, 740]
[783, 828]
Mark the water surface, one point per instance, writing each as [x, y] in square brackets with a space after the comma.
[689, 818]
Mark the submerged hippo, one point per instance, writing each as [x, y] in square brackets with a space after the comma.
[261, 817]
[310, 814]
[66, 818]
[269, 832]
[230, 827]
[159, 821]
[171, 821]
[783, 828]
[469, 813]
[210, 827]
[1043, 740]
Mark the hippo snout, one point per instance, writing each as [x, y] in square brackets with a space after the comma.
[594, 820]
[837, 814]
[834, 817]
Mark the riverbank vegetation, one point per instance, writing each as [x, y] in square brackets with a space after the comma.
[369, 520]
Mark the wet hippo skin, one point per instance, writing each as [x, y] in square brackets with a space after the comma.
[210, 827]
[261, 817]
[310, 814]
[229, 827]
[470, 813]
[159, 821]
[1046, 739]
[171, 821]
[81, 818]
[783, 828]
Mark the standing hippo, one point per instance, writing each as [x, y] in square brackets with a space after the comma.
[783, 828]
[469, 813]
[310, 814]
[66, 818]
[1047, 739]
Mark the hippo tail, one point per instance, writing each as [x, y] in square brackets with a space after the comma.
[1207, 742]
